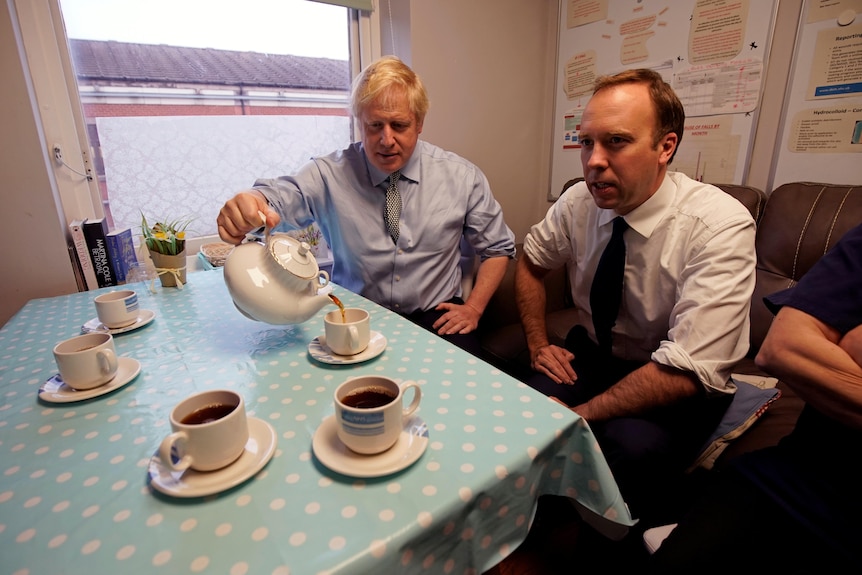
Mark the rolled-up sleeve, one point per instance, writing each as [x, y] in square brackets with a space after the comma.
[485, 227]
[709, 323]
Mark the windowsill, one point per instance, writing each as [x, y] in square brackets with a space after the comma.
[197, 263]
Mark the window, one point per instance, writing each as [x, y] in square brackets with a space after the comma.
[178, 124]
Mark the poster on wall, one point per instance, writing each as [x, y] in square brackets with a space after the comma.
[821, 138]
[713, 52]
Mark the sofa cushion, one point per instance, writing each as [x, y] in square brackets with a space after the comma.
[752, 198]
[800, 223]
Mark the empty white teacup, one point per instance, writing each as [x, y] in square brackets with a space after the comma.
[117, 308]
[86, 361]
[348, 335]
[370, 412]
[210, 431]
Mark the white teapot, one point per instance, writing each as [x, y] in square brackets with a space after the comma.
[276, 283]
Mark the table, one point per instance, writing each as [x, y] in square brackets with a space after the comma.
[74, 488]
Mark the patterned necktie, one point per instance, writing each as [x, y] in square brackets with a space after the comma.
[392, 209]
[606, 291]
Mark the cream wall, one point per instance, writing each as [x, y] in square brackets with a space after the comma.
[34, 261]
[489, 68]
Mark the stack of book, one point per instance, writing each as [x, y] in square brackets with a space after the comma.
[104, 257]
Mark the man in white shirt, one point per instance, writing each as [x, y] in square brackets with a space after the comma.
[652, 380]
[413, 269]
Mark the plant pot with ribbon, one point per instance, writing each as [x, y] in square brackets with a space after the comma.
[166, 242]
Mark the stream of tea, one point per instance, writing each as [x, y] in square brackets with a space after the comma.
[340, 306]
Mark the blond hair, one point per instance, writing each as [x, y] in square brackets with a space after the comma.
[382, 80]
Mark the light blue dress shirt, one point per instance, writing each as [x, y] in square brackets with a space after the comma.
[444, 197]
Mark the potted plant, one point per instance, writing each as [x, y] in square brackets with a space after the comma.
[166, 242]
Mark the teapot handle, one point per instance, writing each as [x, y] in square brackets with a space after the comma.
[323, 275]
[260, 236]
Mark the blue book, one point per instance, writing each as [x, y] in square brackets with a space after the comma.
[121, 250]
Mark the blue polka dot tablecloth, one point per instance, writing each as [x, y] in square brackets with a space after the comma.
[76, 493]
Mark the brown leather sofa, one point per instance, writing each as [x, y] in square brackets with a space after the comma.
[797, 223]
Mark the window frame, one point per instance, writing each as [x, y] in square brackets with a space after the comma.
[55, 87]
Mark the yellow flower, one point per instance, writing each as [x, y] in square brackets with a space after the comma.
[165, 237]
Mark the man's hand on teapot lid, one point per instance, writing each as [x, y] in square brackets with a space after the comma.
[242, 214]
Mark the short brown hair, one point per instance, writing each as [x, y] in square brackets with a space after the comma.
[670, 113]
[383, 77]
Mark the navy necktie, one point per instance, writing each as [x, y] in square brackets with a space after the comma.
[392, 209]
[606, 291]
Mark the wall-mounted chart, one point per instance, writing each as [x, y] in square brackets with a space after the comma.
[822, 128]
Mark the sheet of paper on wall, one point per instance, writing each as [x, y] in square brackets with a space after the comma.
[580, 12]
[833, 74]
[710, 149]
[827, 130]
[719, 88]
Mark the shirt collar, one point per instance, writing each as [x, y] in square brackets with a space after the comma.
[644, 218]
[411, 169]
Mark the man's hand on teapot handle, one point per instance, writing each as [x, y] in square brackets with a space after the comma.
[241, 215]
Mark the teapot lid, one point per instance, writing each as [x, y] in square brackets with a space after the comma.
[294, 256]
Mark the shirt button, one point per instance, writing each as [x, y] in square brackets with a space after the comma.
[400, 251]
[398, 278]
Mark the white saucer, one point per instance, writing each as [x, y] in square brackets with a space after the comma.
[95, 326]
[56, 391]
[332, 453]
[319, 351]
[191, 483]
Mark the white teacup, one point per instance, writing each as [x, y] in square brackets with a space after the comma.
[350, 335]
[117, 308]
[370, 412]
[87, 361]
[210, 431]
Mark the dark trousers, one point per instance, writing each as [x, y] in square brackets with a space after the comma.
[468, 342]
[648, 454]
[737, 527]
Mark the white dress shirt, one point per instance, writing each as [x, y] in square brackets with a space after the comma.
[688, 279]
[443, 197]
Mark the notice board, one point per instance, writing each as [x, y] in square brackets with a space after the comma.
[713, 52]
[821, 138]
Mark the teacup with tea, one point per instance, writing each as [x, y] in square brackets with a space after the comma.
[347, 330]
[118, 308]
[210, 431]
[87, 361]
[370, 412]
